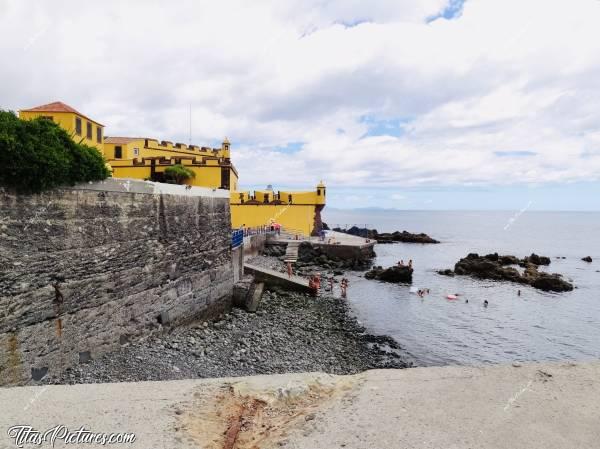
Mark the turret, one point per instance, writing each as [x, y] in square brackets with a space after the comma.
[225, 147]
[321, 193]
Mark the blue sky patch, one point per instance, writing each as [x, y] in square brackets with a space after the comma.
[391, 127]
[290, 147]
[453, 10]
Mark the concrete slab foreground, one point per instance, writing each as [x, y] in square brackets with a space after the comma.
[531, 406]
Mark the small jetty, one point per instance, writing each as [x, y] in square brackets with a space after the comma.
[277, 278]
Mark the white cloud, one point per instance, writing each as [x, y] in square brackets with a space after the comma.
[505, 77]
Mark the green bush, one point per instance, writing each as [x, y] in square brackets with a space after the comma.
[37, 155]
[178, 173]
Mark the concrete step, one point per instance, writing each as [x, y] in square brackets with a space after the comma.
[254, 297]
[291, 251]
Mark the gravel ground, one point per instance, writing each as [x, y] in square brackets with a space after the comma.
[291, 332]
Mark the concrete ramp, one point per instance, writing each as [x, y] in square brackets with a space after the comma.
[277, 279]
[534, 406]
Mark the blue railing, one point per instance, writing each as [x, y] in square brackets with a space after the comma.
[237, 238]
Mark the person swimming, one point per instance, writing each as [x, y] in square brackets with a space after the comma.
[466, 301]
[485, 303]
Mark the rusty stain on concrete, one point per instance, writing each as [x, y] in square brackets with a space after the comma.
[242, 416]
[13, 359]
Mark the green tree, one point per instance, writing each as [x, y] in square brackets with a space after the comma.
[179, 174]
[37, 155]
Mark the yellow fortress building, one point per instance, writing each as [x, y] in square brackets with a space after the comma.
[81, 128]
[145, 158]
[298, 212]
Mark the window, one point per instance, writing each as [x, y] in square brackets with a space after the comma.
[225, 178]
[99, 134]
[89, 130]
[136, 151]
[47, 117]
[118, 152]
[78, 126]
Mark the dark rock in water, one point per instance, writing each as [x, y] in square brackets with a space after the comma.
[495, 267]
[586, 259]
[309, 254]
[551, 283]
[408, 237]
[393, 274]
[538, 260]
[359, 232]
[446, 272]
[387, 237]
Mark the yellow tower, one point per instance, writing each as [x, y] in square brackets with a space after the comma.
[225, 148]
[297, 211]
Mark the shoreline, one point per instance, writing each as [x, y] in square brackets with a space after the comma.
[290, 333]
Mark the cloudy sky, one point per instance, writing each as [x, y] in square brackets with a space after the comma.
[394, 103]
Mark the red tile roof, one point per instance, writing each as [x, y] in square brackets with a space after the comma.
[59, 106]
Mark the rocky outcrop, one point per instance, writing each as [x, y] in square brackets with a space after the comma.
[392, 274]
[587, 259]
[388, 237]
[501, 268]
[536, 260]
[334, 257]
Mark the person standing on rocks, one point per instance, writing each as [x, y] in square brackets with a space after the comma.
[344, 286]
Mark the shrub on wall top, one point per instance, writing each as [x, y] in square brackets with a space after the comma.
[37, 155]
[178, 173]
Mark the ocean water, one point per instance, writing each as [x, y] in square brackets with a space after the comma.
[536, 326]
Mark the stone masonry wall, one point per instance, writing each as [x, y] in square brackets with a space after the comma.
[86, 269]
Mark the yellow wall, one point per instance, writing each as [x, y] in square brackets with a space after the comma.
[66, 120]
[298, 215]
[292, 218]
[204, 162]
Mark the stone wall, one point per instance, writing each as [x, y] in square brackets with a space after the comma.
[86, 269]
[254, 245]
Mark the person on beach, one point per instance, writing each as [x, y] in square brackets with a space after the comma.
[311, 285]
[289, 269]
[410, 263]
[401, 263]
[344, 286]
